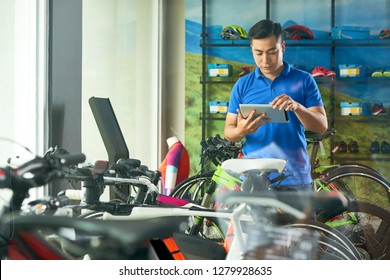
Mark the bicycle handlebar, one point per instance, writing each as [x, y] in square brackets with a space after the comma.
[34, 173]
[37, 172]
[133, 168]
[216, 150]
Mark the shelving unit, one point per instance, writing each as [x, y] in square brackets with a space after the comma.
[334, 118]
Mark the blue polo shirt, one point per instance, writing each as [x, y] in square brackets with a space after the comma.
[278, 140]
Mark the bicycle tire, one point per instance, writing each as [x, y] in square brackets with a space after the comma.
[370, 231]
[358, 182]
[333, 242]
[194, 187]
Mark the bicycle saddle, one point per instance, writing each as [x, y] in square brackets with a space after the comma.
[242, 165]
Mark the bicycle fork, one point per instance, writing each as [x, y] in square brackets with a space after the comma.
[198, 221]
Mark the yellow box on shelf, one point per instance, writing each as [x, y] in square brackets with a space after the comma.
[219, 70]
[355, 109]
[218, 107]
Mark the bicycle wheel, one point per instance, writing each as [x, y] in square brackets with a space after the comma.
[357, 183]
[193, 188]
[333, 244]
[368, 227]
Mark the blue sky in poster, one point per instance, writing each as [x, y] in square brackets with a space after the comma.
[312, 13]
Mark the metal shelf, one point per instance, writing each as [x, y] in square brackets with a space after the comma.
[364, 119]
[362, 80]
[217, 80]
[328, 42]
[206, 43]
[299, 43]
[212, 117]
[338, 43]
[361, 157]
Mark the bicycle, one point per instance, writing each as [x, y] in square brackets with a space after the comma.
[201, 188]
[53, 243]
[39, 233]
[367, 219]
[333, 248]
[237, 168]
[375, 246]
[218, 229]
[22, 237]
[356, 181]
[147, 203]
[264, 238]
[127, 211]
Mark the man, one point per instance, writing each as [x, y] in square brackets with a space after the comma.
[274, 82]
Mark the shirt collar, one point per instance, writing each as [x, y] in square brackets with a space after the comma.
[286, 70]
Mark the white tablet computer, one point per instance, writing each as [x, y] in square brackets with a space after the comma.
[276, 115]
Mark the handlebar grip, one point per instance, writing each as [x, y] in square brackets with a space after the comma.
[72, 159]
[75, 194]
[156, 177]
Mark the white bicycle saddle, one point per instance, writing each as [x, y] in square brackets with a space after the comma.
[241, 165]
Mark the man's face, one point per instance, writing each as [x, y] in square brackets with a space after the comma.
[268, 55]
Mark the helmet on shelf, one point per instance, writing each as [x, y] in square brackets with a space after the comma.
[233, 32]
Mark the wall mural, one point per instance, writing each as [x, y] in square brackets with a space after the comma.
[364, 21]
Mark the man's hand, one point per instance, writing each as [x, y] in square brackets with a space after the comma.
[237, 127]
[251, 123]
[313, 118]
[285, 102]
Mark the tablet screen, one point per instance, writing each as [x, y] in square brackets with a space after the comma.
[276, 115]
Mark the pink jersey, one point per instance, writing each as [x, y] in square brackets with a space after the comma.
[175, 168]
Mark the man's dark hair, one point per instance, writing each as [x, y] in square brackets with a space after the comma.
[265, 28]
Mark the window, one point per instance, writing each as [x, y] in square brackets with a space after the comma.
[23, 68]
[120, 62]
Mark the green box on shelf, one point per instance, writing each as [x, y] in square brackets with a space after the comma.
[355, 108]
[219, 70]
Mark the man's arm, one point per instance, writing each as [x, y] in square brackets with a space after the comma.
[313, 118]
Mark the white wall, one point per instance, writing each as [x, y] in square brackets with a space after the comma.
[173, 70]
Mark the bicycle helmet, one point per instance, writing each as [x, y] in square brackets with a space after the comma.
[233, 32]
[297, 32]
